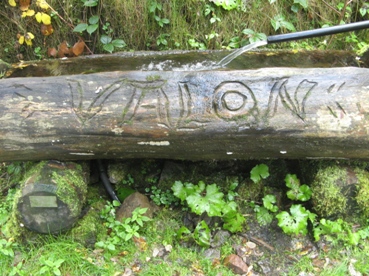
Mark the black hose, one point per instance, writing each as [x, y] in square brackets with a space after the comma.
[318, 32]
[104, 178]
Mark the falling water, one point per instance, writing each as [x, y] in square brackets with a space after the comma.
[240, 51]
[171, 65]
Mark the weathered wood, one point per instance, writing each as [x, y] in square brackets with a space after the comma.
[264, 113]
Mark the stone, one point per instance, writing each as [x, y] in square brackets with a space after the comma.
[340, 191]
[212, 254]
[236, 263]
[220, 238]
[135, 200]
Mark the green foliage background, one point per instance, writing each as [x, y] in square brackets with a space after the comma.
[182, 24]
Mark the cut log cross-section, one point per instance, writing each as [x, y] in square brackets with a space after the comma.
[264, 113]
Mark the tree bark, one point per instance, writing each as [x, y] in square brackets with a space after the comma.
[264, 113]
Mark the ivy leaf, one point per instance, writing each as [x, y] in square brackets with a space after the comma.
[90, 3]
[303, 3]
[269, 202]
[93, 19]
[258, 172]
[294, 223]
[105, 39]
[212, 202]
[91, 28]
[305, 193]
[202, 234]
[233, 221]
[292, 181]
[108, 47]
[179, 191]
[263, 216]
[80, 27]
[119, 43]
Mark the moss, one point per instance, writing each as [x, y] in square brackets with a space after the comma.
[250, 191]
[89, 229]
[328, 199]
[71, 187]
[362, 197]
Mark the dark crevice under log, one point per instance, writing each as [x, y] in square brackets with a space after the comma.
[264, 113]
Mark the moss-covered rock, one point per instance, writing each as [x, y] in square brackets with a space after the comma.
[89, 229]
[341, 191]
[51, 197]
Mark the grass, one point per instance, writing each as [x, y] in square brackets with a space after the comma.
[133, 22]
[64, 254]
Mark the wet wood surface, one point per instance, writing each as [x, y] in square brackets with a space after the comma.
[235, 114]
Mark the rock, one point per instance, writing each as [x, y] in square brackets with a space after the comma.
[236, 263]
[212, 254]
[220, 238]
[132, 202]
[117, 172]
[340, 190]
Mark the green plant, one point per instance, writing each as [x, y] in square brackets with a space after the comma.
[264, 214]
[197, 45]
[280, 21]
[296, 221]
[155, 9]
[109, 44]
[227, 4]
[90, 27]
[209, 9]
[7, 247]
[161, 40]
[50, 265]
[258, 172]
[160, 197]
[208, 199]
[254, 36]
[297, 191]
[339, 230]
[128, 180]
[121, 231]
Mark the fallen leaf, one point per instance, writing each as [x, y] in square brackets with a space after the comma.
[28, 13]
[52, 52]
[140, 243]
[136, 268]
[78, 48]
[46, 29]
[12, 3]
[24, 4]
[42, 4]
[63, 49]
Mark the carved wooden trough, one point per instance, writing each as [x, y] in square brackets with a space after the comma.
[265, 112]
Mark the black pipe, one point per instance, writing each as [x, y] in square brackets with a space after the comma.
[104, 178]
[318, 32]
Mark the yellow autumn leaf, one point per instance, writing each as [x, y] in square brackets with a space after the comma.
[42, 4]
[46, 19]
[28, 38]
[12, 3]
[21, 39]
[30, 35]
[28, 42]
[38, 17]
[28, 13]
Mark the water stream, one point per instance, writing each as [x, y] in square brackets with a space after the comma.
[227, 59]
[169, 65]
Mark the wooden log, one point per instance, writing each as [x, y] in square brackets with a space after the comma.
[203, 115]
